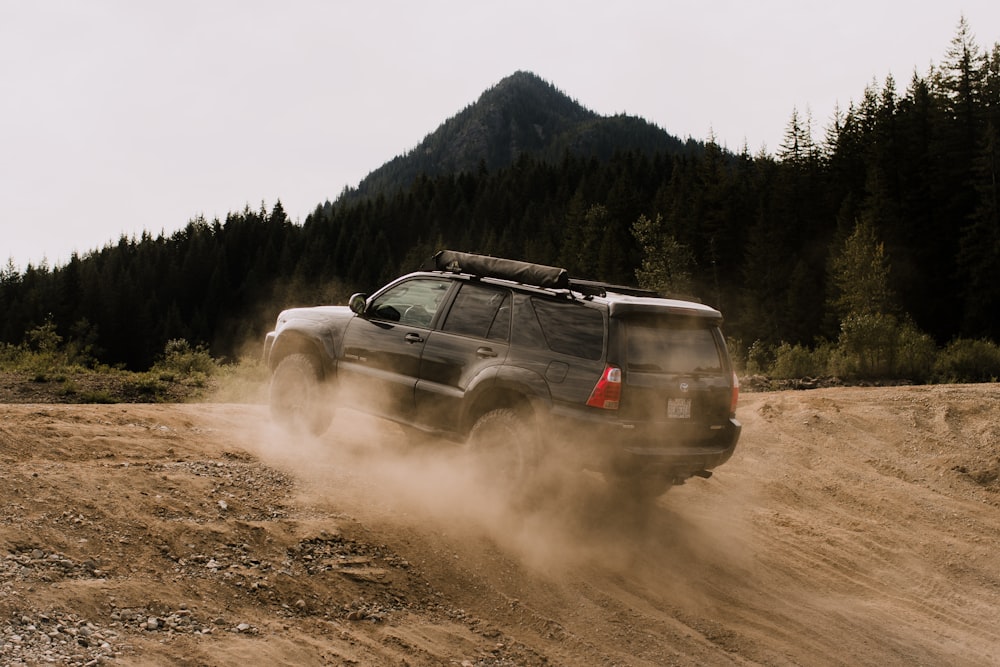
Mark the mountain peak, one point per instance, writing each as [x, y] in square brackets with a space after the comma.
[522, 113]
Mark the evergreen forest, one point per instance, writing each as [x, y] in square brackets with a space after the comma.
[880, 229]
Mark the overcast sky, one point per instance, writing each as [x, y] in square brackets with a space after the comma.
[120, 116]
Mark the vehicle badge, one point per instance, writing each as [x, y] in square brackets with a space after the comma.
[684, 386]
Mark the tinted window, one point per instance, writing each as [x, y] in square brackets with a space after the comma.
[570, 328]
[413, 302]
[666, 347]
[526, 331]
[500, 330]
[476, 312]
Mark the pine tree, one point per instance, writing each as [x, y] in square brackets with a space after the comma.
[667, 265]
[797, 147]
[979, 253]
[860, 276]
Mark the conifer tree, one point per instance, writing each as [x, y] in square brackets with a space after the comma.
[666, 264]
[979, 253]
[860, 275]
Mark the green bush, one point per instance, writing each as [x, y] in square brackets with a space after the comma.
[146, 385]
[9, 356]
[915, 354]
[180, 360]
[44, 339]
[42, 354]
[879, 346]
[965, 360]
[760, 358]
[867, 345]
[98, 396]
[797, 361]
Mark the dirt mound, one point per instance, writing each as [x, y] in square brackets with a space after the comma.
[853, 526]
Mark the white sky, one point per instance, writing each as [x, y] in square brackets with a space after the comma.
[118, 116]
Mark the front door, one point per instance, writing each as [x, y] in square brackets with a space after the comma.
[382, 347]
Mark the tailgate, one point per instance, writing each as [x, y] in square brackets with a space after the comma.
[676, 374]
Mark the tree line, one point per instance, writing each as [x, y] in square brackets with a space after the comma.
[905, 182]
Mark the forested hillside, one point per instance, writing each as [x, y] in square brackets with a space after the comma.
[520, 115]
[892, 213]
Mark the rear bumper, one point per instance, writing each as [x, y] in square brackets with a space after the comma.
[679, 457]
[638, 448]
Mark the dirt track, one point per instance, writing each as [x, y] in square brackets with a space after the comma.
[852, 527]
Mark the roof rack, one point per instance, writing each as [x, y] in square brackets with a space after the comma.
[527, 273]
[598, 288]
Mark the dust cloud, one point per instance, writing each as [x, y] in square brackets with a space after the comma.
[568, 519]
[852, 526]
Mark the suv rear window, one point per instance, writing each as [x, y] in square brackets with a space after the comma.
[669, 346]
[570, 328]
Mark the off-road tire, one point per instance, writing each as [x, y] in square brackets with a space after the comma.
[504, 444]
[298, 395]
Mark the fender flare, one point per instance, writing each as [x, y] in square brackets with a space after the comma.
[308, 338]
[504, 386]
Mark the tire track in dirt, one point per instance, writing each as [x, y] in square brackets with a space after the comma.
[854, 526]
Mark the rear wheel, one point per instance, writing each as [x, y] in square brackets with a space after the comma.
[298, 396]
[505, 446]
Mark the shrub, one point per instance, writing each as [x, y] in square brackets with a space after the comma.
[98, 396]
[43, 353]
[181, 360]
[797, 361]
[915, 354]
[44, 339]
[867, 343]
[145, 385]
[760, 357]
[9, 355]
[965, 360]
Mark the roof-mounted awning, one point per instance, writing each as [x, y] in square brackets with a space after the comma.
[485, 266]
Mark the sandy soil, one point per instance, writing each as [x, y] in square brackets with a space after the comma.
[854, 526]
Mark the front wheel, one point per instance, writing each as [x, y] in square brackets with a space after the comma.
[297, 395]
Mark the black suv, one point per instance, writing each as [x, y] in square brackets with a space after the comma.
[524, 364]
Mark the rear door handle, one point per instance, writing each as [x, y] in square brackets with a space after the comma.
[413, 338]
[485, 353]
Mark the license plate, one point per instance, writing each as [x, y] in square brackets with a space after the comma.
[679, 408]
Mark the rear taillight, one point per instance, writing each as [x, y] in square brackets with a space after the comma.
[736, 394]
[608, 390]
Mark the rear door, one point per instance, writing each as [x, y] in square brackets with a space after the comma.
[473, 338]
[676, 374]
[573, 335]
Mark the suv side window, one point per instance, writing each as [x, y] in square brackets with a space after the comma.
[571, 328]
[413, 302]
[480, 311]
[526, 332]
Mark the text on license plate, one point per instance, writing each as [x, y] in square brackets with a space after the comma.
[679, 408]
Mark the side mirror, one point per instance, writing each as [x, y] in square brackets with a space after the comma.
[358, 302]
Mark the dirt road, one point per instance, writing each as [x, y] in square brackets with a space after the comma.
[854, 526]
